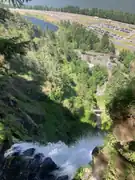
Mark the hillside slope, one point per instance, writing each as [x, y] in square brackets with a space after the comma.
[26, 112]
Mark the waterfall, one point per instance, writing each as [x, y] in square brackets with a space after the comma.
[67, 158]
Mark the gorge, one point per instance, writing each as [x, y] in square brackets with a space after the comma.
[47, 98]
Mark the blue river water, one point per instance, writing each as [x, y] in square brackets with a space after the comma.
[41, 23]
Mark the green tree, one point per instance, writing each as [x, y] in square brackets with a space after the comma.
[126, 57]
[105, 42]
[107, 14]
[112, 48]
[99, 75]
[122, 55]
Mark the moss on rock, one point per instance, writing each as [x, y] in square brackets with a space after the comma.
[83, 173]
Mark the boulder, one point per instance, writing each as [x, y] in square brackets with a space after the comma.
[47, 167]
[63, 177]
[29, 152]
[95, 151]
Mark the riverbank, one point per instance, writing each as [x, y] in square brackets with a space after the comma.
[34, 13]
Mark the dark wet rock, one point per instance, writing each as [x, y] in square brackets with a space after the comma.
[29, 152]
[132, 145]
[16, 154]
[38, 156]
[96, 151]
[49, 177]
[34, 166]
[1, 159]
[63, 177]
[47, 167]
[12, 167]
[32, 176]
[27, 166]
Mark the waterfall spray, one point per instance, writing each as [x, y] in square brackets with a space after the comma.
[67, 158]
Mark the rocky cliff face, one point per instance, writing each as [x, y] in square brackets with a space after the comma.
[114, 161]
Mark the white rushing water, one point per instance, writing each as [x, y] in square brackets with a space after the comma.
[69, 158]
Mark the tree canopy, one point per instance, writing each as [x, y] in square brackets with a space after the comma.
[102, 13]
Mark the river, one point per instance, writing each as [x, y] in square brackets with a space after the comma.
[41, 23]
[123, 5]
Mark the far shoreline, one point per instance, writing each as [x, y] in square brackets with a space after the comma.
[125, 42]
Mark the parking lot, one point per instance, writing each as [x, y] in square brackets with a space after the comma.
[122, 34]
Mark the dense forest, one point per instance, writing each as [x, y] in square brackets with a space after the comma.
[45, 71]
[48, 92]
[124, 17]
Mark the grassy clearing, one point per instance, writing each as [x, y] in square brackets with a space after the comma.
[120, 48]
[128, 43]
[44, 17]
[105, 119]
[132, 36]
